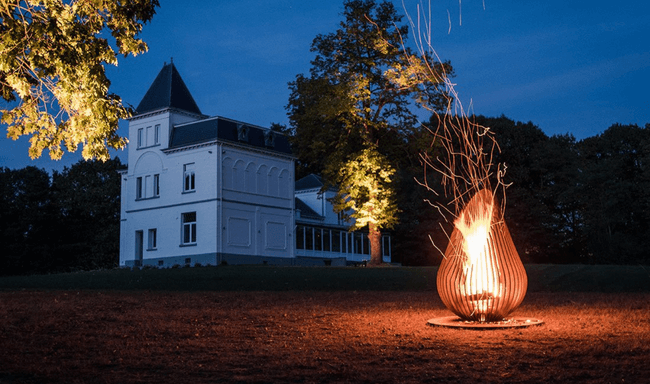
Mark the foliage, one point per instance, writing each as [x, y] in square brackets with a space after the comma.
[615, 192]
[368, 199]
[52, 57]
[26, 219]
[67, 222]
[87, 198]
[360, 94]
[576, 201]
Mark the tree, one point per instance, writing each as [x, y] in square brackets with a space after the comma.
[614, 188]
[368, 196]
[87, 202]
[25, 219]
[66, 222]
[543, 208]
[52, 57]
[358, 99]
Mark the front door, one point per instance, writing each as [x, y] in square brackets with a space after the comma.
[139, 243]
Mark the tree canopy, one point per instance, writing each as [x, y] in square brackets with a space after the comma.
[63, 222]
[52, 58]
[357, 105]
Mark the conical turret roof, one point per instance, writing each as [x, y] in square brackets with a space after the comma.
[168, 90]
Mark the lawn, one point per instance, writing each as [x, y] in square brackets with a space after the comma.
[313, 325]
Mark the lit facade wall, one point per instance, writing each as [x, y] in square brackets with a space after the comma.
[207, 203]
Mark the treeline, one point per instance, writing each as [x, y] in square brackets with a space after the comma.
[66, 221]
[570, 201]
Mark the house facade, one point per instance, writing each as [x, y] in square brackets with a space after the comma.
[213, 190]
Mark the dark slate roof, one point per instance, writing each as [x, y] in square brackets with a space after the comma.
[168, 90]
[305, 211]
[220, 128]
[309, 182]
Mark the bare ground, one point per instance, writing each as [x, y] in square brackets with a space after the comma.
[314, 337]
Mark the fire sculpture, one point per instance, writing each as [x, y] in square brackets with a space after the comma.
[481, 277]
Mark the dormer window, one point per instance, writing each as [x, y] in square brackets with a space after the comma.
[242, 132]
[269, 139]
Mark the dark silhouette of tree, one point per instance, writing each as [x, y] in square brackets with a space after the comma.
[26, 220]
[614, 190]
[66, 222]
[87, 200]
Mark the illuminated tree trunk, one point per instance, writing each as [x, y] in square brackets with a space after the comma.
[374, 236]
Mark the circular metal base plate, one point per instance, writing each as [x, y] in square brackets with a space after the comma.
[457, 322]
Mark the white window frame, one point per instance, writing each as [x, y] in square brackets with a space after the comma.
[139, 188]
[157, 135]
[188, 228]
[189, 178]
[156, 185]
[152, 239]
[148, 137]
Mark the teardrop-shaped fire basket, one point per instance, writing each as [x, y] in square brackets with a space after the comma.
[481, 278]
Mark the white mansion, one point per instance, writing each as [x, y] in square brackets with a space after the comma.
[210, 190]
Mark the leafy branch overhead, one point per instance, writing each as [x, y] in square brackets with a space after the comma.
[52, 57]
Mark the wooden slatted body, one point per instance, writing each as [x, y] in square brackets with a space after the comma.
[488, 289]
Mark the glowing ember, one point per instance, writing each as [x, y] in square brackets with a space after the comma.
[481, 278]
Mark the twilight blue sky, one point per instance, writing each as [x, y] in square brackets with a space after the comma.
[568, 66]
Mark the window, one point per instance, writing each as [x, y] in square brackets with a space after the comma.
[385, 246]
[318, 239]
[156, 185]
[326, 240]
[365, 244]
[188, 178]
[309, 238]
[300, 237]
[336, 241]
[138, 188]
[147, 187]
[149, 136]
[189, 228]
[153, 239]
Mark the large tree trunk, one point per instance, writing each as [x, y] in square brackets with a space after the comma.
[375, 245]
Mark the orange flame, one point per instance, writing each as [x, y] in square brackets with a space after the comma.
[481, 276]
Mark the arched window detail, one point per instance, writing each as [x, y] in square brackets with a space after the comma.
[238, 175]
[274, 180]
[249, 178]
[262, 179]
[284, 183]
[227, 175]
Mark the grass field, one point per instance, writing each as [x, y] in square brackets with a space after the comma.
[315, 325]
[541, 278]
